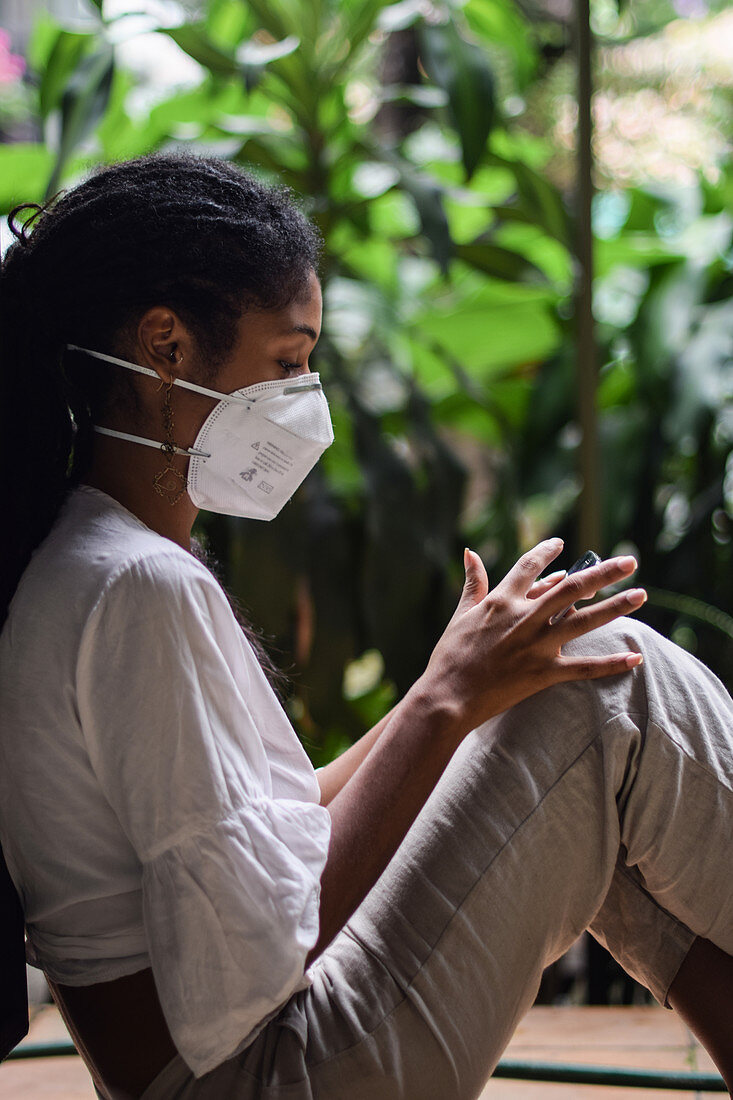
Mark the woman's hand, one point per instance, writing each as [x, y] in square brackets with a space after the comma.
[544, 584]
[500, 647]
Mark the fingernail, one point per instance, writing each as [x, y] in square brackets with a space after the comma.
[555, 576]
[634, 660]
[628, 562]
[555, 542]
[466, 557]
[635, 595]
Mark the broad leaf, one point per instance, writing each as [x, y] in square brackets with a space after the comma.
[462, 70]
[538, 201]
[24, 170]
[193, 40]
[43, 38]
[65, 56]
[228, 22]
[704, 373]
[253, 56]
[399, 16]
[634, 250]
[83, 104]
[259, 53]
[496, 261]
[273, 19]
[502, 326]
[501, 23]
[428, 200]
[359, 19]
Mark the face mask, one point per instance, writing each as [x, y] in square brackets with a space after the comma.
[255, 447]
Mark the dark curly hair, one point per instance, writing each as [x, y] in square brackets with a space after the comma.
[196, 234]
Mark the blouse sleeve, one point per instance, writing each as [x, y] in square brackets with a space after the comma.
[230, 874]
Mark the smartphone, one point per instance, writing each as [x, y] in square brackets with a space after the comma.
[588, 559]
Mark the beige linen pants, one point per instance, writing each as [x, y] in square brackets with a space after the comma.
[605, 805]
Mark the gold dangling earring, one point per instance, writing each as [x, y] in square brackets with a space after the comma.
[169, 482]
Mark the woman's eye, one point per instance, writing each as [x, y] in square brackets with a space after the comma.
[289, 367]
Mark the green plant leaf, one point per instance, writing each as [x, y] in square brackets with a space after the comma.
[193, 40]
[666, 316]
[497, 261]
[273, 18]
[259, 53]
[504, 325]
[407, 529]
[64, 57]
[633, 249]
[359, 20]
[399, 16]
[540, 249]
[83, 104]
[120, 136]
[43, 38]
[253, 56]
[24, 170]
[704, 372]
[501, 23]
[538, 201]
[419, 94]
[428, 199]
[462, 70]
[228, 22]
[196, 105]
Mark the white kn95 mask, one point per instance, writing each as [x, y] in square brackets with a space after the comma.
[255, 447]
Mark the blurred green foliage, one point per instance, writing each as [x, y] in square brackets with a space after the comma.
[447, 349]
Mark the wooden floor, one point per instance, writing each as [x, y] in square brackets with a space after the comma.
[645, 1038]
[642, 1038]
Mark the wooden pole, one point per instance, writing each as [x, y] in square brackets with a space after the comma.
[589, 521]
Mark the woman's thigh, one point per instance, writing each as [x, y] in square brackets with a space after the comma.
[523, 844]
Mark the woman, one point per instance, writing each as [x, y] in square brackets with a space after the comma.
[214, 919]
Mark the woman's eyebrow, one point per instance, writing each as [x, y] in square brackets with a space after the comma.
[306, 330]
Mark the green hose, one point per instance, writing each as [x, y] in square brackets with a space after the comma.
[521, 1071]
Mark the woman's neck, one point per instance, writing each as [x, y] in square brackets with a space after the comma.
[127, 473]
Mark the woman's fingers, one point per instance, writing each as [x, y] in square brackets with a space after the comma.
[476, 584]
[594, 668]
[522, 576]
[511, 632]
[544, 584]
[589, 618]
[584, 584]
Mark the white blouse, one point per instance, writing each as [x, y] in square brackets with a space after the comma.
[156, 806]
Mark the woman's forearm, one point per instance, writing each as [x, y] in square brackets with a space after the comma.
[334, 776]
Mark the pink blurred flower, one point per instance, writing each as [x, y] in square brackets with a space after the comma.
[12, 65]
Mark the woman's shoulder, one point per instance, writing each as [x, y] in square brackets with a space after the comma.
[96, 547]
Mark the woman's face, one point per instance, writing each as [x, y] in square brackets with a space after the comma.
[274, 344]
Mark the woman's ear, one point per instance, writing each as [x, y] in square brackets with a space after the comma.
[164, 341]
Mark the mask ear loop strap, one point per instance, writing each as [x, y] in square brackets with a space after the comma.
[295, 386]
[190, 452]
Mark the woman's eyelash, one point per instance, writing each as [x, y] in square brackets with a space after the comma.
[289, 366]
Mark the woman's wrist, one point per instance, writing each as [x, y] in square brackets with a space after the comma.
[437, 709]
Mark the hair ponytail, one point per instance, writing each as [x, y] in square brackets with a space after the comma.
[36, 423]
[196, 234]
